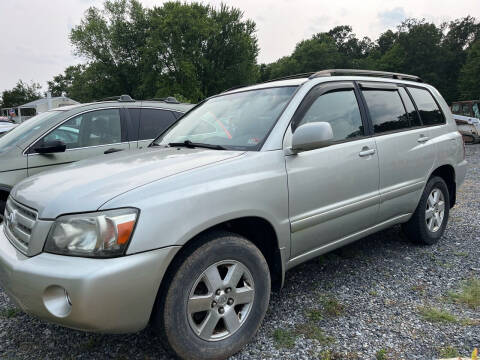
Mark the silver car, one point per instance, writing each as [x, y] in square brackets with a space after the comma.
[192, 233]
[77, 132]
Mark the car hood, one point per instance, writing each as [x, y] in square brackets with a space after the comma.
[86, 185]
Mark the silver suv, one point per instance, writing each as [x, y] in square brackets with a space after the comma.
[77, 132]
[193, 232]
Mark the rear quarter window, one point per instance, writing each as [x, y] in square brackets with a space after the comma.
[154, 122]
[429, 111]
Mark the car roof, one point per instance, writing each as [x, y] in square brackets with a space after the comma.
[180, 107]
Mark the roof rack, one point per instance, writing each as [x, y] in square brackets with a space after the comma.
[125, 98]
[295, 76]
[169, 99]
[385, 74]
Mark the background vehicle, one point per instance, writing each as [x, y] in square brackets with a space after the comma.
[77, 132]
[193, 232]
[467, 117]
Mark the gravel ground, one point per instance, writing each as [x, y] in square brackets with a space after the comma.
[364, 301]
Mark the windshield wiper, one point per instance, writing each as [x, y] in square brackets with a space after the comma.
[189, 144]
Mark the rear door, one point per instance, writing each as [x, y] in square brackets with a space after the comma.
[148, 123]
[405, 151]
[86, 135]
[333, 191]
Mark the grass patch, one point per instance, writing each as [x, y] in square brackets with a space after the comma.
[314, 315]
[448, 352]
[372, 293]
[10, 313]
[331, 306]
[433, 314]
[419, 288]
[381, 355]
[312, 332]
[469, 294]
[284, 338]
[333, 355]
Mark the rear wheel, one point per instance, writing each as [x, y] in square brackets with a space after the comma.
[428, 223]
[216, 299]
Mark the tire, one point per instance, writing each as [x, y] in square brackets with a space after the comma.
[428, 231]
[176, 318]
[3, 204]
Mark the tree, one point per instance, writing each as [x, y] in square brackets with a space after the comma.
[198, 50]
[469, 82]
[22, 93]
[113, 41]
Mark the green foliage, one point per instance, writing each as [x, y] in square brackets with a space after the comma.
[10, 313]
[284, 338]
[190, 50]
[433, 314]
[469, 82]
[381, 354]
[331, 306]
[435, 53]
[314, 315]
[469, 294]
[22, 93]
[313, 332]
[448, 352]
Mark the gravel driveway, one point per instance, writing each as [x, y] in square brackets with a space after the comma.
[380, 298]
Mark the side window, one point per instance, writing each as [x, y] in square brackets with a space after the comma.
[94, 128]
[476, 111]
[386, 110]
[153, 122]
[466, 110]
[340, 109]
[411, 111]
[456, 109]
[427, 107]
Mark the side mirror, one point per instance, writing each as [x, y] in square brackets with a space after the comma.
[312, 136]
[50, 147]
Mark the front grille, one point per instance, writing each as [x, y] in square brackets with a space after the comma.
[19, 222]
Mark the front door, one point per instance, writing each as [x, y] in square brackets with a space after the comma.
[86, 135]
[333, 191]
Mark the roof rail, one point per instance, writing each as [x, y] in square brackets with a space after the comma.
[169, 99]
[125, 98]
[385, 74]
[295, 76]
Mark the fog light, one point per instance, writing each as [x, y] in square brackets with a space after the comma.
[57, 301]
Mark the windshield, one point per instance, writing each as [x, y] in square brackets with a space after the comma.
[23, 131]
[239, 121]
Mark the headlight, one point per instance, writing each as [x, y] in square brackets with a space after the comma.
[99, 234]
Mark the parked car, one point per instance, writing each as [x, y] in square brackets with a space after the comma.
[467, 117]
[193, 232]
[71, 133]
[6, 126]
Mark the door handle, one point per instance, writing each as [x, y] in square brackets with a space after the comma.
[423, 139]
[112, 150]
[366, 152]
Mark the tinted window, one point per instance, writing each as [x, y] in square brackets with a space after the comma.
[94, 128]
[411, 111]
[476, 111]
[386, 110]
[456, 108]
[153, 122]
[340, 109]
[466, 109]
[429, 111]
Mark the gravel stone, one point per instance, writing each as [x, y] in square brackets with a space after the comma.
[379, 282]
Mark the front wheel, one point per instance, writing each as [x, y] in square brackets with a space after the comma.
[427, 224]
[216, 299]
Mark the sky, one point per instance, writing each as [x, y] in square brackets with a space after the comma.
[34, 44]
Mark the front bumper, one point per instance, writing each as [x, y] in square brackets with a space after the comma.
[104, 295]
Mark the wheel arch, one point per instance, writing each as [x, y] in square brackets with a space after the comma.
[447, 173]
[256, 229]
